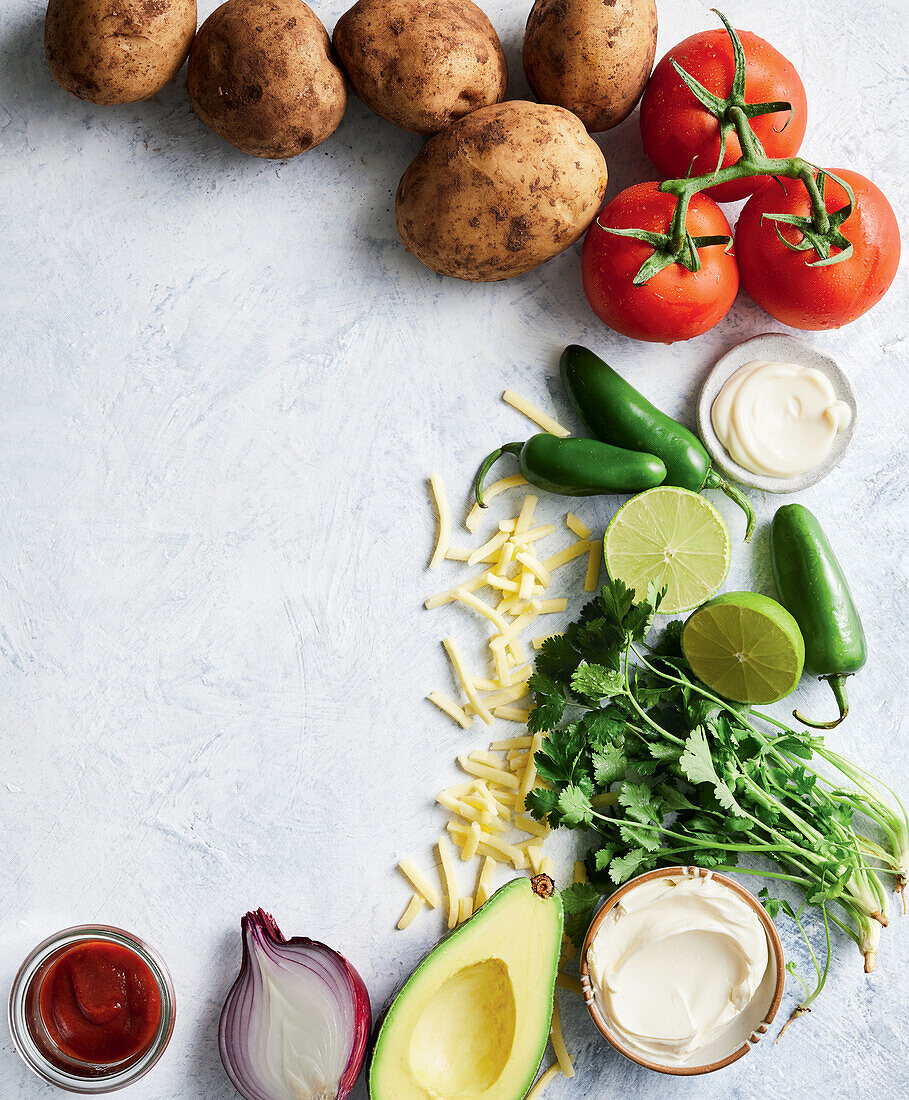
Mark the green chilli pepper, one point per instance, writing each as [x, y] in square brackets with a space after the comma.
[614, 411]
[813, 589]
[577, 467]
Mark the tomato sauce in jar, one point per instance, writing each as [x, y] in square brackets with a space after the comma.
[100, 1003]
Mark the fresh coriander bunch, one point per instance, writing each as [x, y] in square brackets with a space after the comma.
[662, 771]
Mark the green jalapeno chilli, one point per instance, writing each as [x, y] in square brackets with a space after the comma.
[812, 588]
[577, 467]
[613, 410]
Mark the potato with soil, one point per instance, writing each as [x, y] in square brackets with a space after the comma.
[593, 57]
[117, 51]
[421, 64]
[500, 191]
[262, 75]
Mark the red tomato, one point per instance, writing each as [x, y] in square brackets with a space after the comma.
[677, 129]
[676, 303]
[782, 281]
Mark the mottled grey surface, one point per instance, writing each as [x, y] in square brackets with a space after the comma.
[223, 385]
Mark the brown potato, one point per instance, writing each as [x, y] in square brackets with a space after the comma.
[500, 191]
[262, 75]
[421, 64]
[591, 56]
[117, 51]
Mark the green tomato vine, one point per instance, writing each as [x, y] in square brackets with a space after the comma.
[820, 232]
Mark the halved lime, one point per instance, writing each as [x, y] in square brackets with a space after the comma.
[671, 536]
[745, 647]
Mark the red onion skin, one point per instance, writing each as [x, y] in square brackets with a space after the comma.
[265, 922]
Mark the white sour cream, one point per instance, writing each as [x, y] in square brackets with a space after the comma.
[681, 970]
[778, 419]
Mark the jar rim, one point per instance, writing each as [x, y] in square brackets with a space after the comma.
[37, 960]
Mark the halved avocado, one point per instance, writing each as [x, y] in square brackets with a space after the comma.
[472, 1021]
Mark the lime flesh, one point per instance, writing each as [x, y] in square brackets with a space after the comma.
[671, 536]
[745, 647]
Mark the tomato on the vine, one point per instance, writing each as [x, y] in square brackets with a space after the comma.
[789, 285]
[680, 134]
[675, 303]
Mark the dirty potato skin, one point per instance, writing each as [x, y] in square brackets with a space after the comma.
[591, 56]
[117, 51]
[421, 64]
[262, 75]
[500, 191]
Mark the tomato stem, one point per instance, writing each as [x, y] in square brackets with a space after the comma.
[820, 232]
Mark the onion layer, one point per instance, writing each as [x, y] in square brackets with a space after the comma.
[296, 1021]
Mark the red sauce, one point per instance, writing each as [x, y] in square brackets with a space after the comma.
[100, 1003]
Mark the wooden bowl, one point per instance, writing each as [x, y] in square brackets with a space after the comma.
[777, 961]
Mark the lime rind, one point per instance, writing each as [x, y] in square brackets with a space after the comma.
[671, 536]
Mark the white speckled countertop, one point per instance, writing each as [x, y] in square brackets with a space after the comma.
[223, 384]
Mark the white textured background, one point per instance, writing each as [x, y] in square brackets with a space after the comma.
[223, 384]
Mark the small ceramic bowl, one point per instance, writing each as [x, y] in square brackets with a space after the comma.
[776, 977]
[775, 347]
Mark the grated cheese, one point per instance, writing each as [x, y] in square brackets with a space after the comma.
[451, 709]
[543, 420]
[444, 512]
[466, 910]
[448, 881]
[558, 1043]
[484, 882]
[489, 493]
[565, 556]
[469, 600]
[486, 771]
[488, 549]
[511, 714]
[457, 663]
[565, 981]
[412, 911]
[593, 567]
[473, 839]
[540, 1087]
[576, 526]
[420, 883]
[535, 567]
[580, 871]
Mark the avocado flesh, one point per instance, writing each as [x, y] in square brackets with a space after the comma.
[472, 1021]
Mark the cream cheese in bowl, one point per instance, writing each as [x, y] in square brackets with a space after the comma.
[682, 971]
[776, 413]
[778, 419]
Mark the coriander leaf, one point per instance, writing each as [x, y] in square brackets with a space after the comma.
[609, 765]
[551, 701]
[615, 601]
[695, 761]
[664, 751]
[635, 836]
[597, 682]
[772, 905]
[602, 727]
[603, 857]
[697, 765]
[558, 758]
[579, 902]
[557, 658]
[541, 802]
[623, 867]
[673, 799]
[638, 801]
[574, 806]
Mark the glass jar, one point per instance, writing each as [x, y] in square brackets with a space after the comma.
[33, 1040]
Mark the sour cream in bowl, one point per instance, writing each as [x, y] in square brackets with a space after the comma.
[682, 970]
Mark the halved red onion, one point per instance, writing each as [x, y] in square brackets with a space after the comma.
[296, 1021]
